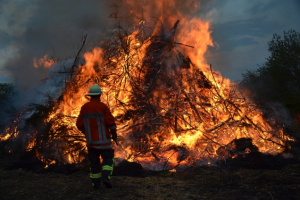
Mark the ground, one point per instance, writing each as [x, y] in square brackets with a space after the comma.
[197, 183]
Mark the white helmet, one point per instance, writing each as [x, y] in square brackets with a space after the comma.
[94, 90]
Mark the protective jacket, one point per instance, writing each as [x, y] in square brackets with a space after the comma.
[95, 120]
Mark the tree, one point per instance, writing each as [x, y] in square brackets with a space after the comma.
[7, 109]
[278, 80]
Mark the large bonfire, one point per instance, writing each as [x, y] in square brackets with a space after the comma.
[172, 109]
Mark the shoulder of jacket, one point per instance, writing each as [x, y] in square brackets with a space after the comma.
[86, 104]
[92, 103]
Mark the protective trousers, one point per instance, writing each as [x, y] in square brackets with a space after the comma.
[107, 165]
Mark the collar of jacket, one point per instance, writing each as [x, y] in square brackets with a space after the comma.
[95, 100]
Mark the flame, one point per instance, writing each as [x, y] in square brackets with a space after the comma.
[11, 132]
[45, 62]
[31, 144]
[6, 137]
[203, 121]
[196, 110]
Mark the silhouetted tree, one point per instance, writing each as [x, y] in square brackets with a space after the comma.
[7, 108]
[278, 80]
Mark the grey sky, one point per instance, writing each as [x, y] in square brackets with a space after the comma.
[242, 29]
[33, 28]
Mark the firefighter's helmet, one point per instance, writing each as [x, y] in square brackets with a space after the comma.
[94, 90]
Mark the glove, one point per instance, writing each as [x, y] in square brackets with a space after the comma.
[114, 135]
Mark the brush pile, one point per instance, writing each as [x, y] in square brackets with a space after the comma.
[171, 112]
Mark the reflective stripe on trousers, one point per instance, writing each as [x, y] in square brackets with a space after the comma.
[107, 170]
[96, 175]
[107, 165]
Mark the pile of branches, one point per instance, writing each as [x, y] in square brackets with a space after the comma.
[33, 133]
[166, 92]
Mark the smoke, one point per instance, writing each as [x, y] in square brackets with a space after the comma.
[29, 30]
[281, 114]
[260, 93]
[32, 29]
[36, 28]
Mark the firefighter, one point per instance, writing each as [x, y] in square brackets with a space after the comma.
[97, 123]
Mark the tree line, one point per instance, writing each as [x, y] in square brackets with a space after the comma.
[278, 79]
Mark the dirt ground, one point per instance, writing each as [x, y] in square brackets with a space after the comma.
[197, 183]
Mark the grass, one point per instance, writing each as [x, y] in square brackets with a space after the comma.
[198, 183]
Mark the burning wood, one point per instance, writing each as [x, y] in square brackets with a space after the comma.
[171, 112]
[236, 147]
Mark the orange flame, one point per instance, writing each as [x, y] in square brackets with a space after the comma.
[199, 113]
[45, 62]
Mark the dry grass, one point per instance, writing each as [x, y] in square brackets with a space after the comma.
[199, 183]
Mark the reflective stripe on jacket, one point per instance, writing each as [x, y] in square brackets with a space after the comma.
[96, 119]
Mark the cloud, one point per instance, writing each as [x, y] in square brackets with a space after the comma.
[242, 30]
[223, 12]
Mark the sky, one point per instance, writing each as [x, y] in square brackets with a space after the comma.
[242, 30]
[31, 29]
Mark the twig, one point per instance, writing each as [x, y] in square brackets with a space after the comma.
[77, 56]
